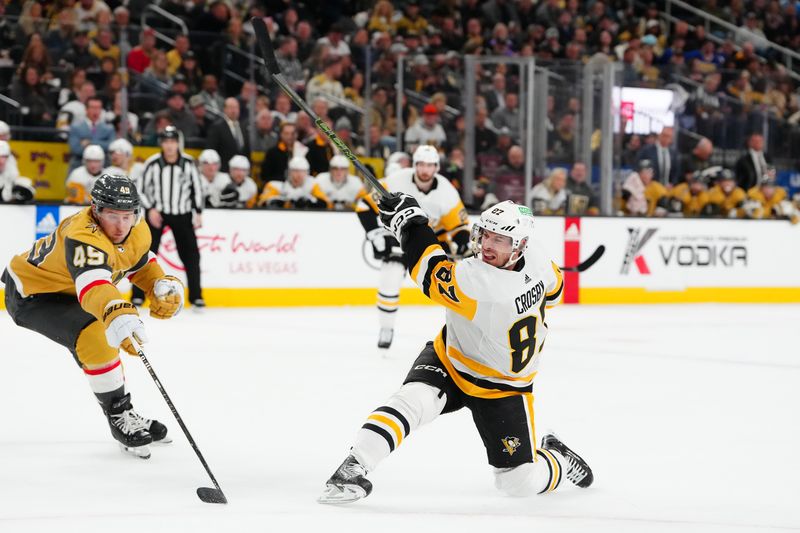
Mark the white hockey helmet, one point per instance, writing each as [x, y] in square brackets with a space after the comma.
[299, 163]
[209, 156]
[239, 161]
[396, 158]
[426, 153]
[4, 129]
[339, 161]
[93, 152]
[5, 149]
[506, 218]
[122, 146]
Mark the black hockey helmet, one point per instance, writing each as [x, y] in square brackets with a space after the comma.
[115, 192]
[170, 132]
[645, 164]
[725, 174]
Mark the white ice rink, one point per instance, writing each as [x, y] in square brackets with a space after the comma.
[687, 414]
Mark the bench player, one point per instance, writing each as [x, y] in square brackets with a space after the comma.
[446, 214]
[484, 359]
[64, 288]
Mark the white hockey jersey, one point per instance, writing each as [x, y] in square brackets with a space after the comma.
[441, 203]
[79, 186]
[284, 191]
[496, 325]
[343, 195]
[134, 173]
[247, 192]
[213, 188]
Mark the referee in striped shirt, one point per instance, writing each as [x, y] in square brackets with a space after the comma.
[172, 196]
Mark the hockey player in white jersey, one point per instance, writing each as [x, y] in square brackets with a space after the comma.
[484, 359]
[240, 190]
[13, 188]
[81, 180]
[122, 163]
[300, 190]
[341, 187]
[212, 180]
[446, 214]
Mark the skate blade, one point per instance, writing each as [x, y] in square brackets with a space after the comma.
[142, 452]
[341, 494]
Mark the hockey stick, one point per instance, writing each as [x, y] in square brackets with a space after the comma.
[592, 259]
[274, 72]
[207, 494]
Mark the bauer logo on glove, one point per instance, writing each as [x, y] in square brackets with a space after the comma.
[166, 298]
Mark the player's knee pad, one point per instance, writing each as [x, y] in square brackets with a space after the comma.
[523, 480]
[419, 402]
[92, 348]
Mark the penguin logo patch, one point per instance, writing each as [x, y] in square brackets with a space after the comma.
[511, 444]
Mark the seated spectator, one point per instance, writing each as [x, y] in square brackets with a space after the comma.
[641, 195]
[426, 130]
[198, 109]
[179, 116]
[299, 191]
[265, 136]
[508, 181]
[581, 197]
[28, 90]
[690, 197]
[753, 164]
[283, 110]
[240, 190]
[327, 83]
[412, 20]
[190, 70]
[81, 180]
[725, 199]
[37, 56]
[156, 79]
[276, 160]
[212, 180]
[13, 188]
[550, 196]
[87, 11]
[175, 56]
[114, 117]
[769, 200]
[561, 141]
[103, 46]
[227, 135]
[156, 125]
[334, 40]
[59, 38]
[78, 55]
[342, 188]
[123, 31]
[92, 130]
[508, 116]
[210, 93]
[139, 58]
[707, 107]
[496, 97]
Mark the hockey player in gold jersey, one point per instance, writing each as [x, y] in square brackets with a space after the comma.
[725, 199]
[64, 288]
[484, 359]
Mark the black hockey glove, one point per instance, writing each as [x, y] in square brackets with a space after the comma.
[384, 246]
[276, 203]
[229, 197]
[399, 210]
[461, 244]
[302, 203]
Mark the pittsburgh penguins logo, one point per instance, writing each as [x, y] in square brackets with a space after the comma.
[511, 444]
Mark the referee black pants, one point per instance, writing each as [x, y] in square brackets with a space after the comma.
[186, 242]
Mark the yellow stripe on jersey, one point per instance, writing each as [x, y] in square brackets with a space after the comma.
[429, 251]
[465, 386]
[554, 297]
[440, 285]
[269, 192]
[389, 422]
[455, 218]
[484, 370]
[318, 193]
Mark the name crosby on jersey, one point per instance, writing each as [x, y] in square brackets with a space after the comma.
[529, 298]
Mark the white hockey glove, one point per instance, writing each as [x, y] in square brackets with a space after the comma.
[384, 245]
[166, 298]
[123, 324]
[397, 211]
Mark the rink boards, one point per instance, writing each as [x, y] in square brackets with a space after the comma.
[291, 258]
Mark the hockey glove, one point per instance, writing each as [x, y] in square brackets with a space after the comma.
[384, 246]
[399, 210]
[461, 244]
[166, 298]
[302, 203]
[229, 197]
[123, 324]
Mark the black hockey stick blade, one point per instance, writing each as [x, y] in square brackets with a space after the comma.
[591, 260]
[209, 495]
[265, 43]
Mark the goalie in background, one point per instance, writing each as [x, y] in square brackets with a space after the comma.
[65, 288]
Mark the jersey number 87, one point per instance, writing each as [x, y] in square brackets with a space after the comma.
[522, 340]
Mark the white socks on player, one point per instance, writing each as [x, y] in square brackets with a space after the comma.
[544, 475]
[410, 407]
[391, 279]
[106, 380]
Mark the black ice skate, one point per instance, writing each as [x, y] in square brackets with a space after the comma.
[385, 338]
[156, 429]
[578, 470]
[347, 484]
[128, 428]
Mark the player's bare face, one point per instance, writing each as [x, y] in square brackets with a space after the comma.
[94, 167]
[495, 248]
[425, 171]
[119, 159]
[338, 175]
[297, 177]
[116, 224]
[209, 170]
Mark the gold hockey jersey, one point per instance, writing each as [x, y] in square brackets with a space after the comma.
[79, 259]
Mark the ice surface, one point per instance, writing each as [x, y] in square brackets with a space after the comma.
[687, 414]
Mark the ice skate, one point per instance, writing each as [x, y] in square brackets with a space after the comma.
[156, 429]
[578, 471]
[347, 484]
[385, 338]
[128, 428]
